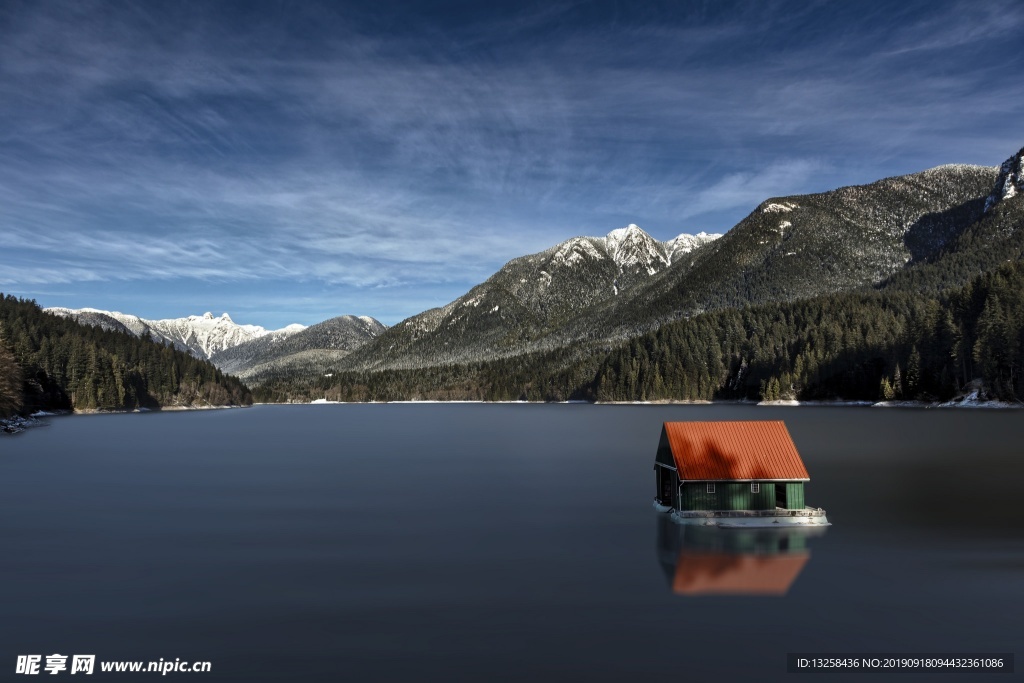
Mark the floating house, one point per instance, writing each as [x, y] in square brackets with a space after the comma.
[745, 473]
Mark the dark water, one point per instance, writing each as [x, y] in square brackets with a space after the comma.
[496, 542]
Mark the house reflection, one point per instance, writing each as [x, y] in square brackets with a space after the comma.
[705, 560]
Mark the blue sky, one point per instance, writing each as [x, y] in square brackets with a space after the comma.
[293, 161]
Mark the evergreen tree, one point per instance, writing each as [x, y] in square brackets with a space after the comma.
[10, 381]
[60, 364]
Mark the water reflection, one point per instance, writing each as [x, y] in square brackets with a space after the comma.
[701, 560]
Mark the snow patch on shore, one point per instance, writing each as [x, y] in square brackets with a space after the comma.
[17, 424]
[974, 400]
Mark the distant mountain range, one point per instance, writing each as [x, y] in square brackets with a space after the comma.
[234, 348]
[204, 336]
[537, 291]
[316, 349]
[933, 229]
[51, 362]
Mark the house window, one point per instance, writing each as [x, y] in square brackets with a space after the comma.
[755, 487]
[711, 488]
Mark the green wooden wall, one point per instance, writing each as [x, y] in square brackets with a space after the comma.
[795, 496]
[737, 496]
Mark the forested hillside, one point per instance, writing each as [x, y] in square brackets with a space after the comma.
[47, 362]
[803, 246]
[597, 291]
[312, 349]
[872, 345]
[869, 345]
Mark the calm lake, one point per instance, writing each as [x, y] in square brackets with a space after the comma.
[472, 542]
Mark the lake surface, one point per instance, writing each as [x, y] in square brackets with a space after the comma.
[497, 542]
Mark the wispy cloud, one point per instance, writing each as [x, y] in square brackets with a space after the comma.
[260, 144]
[963, 23]
[749, 188]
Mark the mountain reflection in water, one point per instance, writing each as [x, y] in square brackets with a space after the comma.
[701, 560]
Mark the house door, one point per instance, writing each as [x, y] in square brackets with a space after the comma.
[780, 495]
[667, 482]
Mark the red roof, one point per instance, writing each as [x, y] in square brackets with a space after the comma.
[747, 450]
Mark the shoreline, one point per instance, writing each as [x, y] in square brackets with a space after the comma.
[162, 409]
[18, 424]
[917, 405]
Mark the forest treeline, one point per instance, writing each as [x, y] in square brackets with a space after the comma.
[867, 345]
[49, 363]
[871, 344]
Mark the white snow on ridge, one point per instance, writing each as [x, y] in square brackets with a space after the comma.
[208, 334]
[203, 335]
[1009, 182]
[621, 234]
[781, 207]
[630, 247]
[684, 244]
[134, 323]
[575, 250]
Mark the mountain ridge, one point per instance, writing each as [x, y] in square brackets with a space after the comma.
[588, 293]
[1010, 181]
[233, 348]
[527, 299]
[202, 335]
[802, 245]
[320, 346]
[787, 248]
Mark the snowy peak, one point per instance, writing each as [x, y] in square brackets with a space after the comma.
[575, 251]
[631, 231]
[224, 317]
[1010, 181]
[632, 249]
[684, 244]
[201, 335]
[207, 335]
[308, 347]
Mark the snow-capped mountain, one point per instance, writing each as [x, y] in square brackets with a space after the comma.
[630, 249]
[529, 299]
[634, 251]
[208, 335]
[590, 292]
[237, 349]
[601, 290]
[202, 335]
[806, 245]
[315, 347]
[684, 244]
